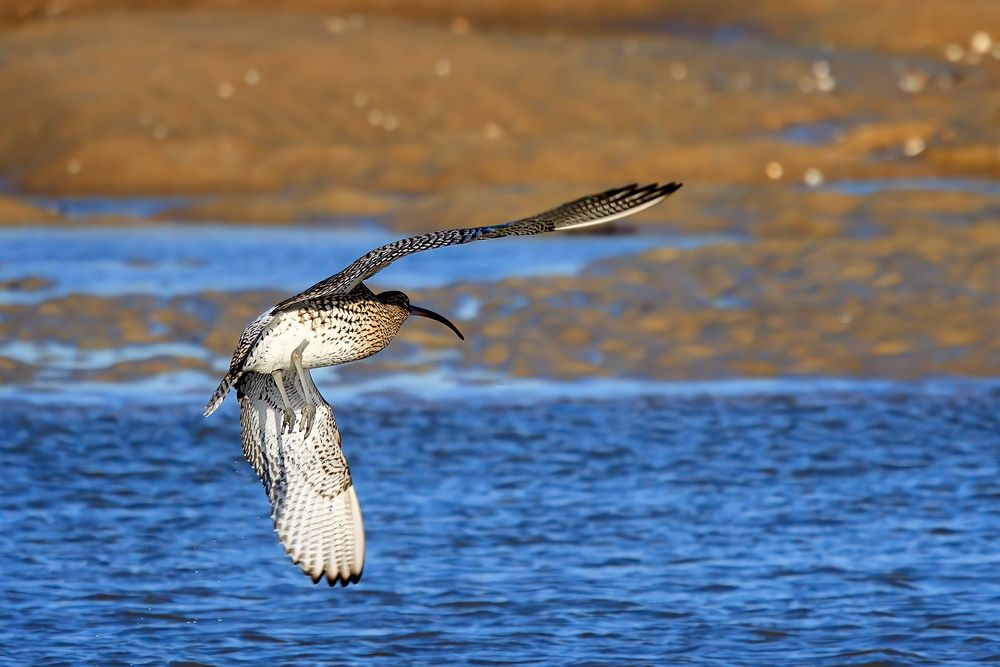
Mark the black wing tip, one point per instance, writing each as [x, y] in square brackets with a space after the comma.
[336, 579]
[648, 191]
[331, 580]
[656, 189]
[344, 582]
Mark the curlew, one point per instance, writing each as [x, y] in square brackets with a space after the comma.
[289, 433]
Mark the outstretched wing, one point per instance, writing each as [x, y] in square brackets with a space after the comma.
[590, 210]
[314, 506]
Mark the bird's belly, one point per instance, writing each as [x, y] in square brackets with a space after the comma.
[324, 345]
[319, 353]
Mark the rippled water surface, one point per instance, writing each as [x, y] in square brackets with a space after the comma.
[812, 527]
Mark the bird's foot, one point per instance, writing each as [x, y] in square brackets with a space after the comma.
[308, 417]
[287, 420]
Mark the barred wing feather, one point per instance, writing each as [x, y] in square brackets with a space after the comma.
[593, 209]
[306, 477]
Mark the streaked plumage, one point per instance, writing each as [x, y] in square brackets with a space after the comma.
[306, 477]
[337, 320]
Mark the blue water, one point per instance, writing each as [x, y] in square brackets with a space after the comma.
[177, 259]
[814, 526]
[133, 207]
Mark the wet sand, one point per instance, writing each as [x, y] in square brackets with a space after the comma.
[905, 306]
[859, 165]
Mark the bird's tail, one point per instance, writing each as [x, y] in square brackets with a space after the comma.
[220, 393]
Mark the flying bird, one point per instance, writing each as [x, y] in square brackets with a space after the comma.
[289, 433]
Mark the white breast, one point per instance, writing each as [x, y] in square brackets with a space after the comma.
[324, 341]
[279, 339]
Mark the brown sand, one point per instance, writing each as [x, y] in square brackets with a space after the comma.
[297, 114]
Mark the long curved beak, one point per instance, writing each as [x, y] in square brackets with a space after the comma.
[431, 315]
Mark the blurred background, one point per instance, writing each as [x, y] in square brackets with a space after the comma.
[170, 168]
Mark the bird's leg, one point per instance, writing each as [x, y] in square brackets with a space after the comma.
[288, 416]
[308, 389]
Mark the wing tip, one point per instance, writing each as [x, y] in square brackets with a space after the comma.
[649, 195]
[654, 189]
[339, 578]
[335, 578]
[630, 199]
[659, 192]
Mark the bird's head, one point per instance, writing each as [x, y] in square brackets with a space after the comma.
[399, 300]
